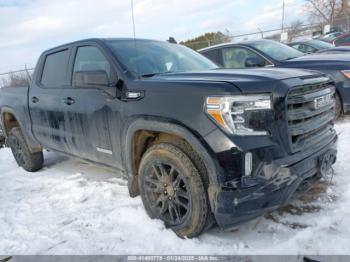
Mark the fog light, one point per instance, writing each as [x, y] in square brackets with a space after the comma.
[248, 163]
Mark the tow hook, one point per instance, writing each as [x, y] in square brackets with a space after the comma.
[326, 162]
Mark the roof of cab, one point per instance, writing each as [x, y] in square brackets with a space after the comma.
[96, 40]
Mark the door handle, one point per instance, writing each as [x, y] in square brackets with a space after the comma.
[35, 99]
[69, 101]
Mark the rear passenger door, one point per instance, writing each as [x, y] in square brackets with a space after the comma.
[45, 99]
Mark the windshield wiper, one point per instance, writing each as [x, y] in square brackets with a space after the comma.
[154, 74]
[289, 58]
[150, 75]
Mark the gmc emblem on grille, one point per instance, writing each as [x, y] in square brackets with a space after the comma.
[323, 101]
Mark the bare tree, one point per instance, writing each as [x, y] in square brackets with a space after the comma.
[324, 11]
[345, 8]
[294, 29]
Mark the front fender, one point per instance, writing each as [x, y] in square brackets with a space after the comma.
[157, 125]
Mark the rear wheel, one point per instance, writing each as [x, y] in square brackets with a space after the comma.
[24, 157]
[172, 190]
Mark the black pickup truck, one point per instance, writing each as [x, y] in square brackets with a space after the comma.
[268, 53]
[201, 145]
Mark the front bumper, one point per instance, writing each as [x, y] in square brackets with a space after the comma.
[2, 137]
[279, 183]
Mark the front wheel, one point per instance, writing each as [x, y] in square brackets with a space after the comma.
[24, 157]
[172, 190]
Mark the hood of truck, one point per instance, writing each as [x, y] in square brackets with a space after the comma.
[238, 74]
[247, 80]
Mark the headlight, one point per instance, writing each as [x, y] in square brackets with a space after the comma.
[346, 73]
[240, 115]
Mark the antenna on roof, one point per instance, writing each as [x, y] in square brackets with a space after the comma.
[133, 18]
[133, 27]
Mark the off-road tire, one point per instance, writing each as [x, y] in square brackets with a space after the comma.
[338, 107]
[195, 219]
[199, 164]
[30, 162]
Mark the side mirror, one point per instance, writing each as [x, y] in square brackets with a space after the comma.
[91, 78]
[254, 62]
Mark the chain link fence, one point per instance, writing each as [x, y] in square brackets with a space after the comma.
[16, 78]
[294, 32]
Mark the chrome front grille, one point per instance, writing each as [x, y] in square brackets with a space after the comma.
[310, 114]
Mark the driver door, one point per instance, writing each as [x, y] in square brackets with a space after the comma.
[90, 111]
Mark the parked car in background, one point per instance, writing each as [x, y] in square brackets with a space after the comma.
[311, 46]
[331, 36]
[318, 46]
[198, 143]
[268, 53]
[342, 40]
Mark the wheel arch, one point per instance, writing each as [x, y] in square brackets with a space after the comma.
[164, 127]
[9, 119]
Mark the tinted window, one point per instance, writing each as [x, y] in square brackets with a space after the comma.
[309, 49]
[90, 58]
[235, 57]
[298, 47]
[276, 50]
[212, 55]
[55, 69]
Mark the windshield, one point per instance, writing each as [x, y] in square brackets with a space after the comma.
[148, 58]
[321, 44]
[276, 50]
[332, 36]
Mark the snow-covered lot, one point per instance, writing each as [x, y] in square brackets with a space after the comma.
[74, 208]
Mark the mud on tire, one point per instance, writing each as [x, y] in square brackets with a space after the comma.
[172, 190]
[24, 157]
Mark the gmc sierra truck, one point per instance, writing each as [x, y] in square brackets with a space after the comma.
[201, 145]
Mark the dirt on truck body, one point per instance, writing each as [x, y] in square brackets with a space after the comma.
[200, 144]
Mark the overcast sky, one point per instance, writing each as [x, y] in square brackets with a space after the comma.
[27, 27]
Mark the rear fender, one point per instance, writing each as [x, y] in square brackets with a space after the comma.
[32, 144]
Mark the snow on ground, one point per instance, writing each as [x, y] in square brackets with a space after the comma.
[74, 208]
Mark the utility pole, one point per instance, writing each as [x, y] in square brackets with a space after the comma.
[261, 32]
[282, 28]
